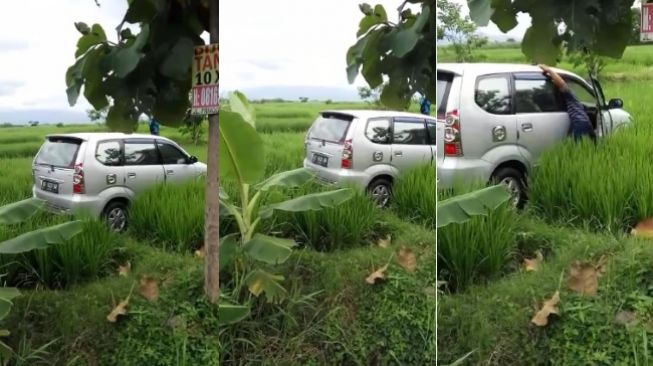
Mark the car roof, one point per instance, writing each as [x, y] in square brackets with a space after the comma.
[373, 113]
[489, 68]
[95, 136]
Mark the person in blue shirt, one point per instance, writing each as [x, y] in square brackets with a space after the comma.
[154, 127]
[580, 126]
[425, 106]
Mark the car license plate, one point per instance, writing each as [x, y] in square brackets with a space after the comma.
[320, 160]
[50, 186]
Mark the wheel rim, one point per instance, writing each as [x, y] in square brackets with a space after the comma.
[514, 188]
[116, 219]
[381, 195]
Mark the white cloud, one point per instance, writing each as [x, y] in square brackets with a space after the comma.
[288, 42]
[37, 44]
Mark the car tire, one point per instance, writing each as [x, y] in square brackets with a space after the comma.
[380, 190]
[516, 183]
[116, 216]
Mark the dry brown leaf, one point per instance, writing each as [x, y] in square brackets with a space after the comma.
[583, 278]
[384, 243]
[149, 288]
[124, 269]
[406, 258]
[376, 275]
[644, 229]
[533, 264]
[625, 317]
[120, 309]
[549, 307]
[199, 253]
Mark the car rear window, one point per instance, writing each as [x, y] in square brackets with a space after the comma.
[59, 152]
[442, 89]
[330, 127]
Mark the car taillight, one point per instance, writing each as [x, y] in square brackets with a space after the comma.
[453, 145]
[347, 155]
[78, 180]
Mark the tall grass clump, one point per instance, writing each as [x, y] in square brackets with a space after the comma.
[414, 195]
[478, 250]
[16, 179]
[171, 216]
[351, 224]
[19, 150]
[607, 187]
[87, 256]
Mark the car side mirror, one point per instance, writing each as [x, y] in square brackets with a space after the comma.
[615, 103]
[192, 159]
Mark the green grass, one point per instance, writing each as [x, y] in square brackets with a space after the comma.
[414, 195]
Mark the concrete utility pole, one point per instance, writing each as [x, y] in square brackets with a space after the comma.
[212, 203]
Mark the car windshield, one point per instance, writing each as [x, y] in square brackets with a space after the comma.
[59, 152]
[329, 128]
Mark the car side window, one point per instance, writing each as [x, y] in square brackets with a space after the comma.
[493, 94]
[141, 152]
[170, 154]
[108, 153]
[582, 93]
[536, 96]
[409, 132]
[378, 130]
[431, 128]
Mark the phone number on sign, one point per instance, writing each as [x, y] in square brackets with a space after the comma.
[205, 96]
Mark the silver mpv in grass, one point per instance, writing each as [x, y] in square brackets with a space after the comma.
[101, 173]
[368, 148]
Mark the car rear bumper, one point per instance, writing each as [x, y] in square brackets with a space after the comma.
[337, 176]
[452, 171]
[76, 203]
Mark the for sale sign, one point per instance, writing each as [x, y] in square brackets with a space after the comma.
[646, 28]
[205, 80]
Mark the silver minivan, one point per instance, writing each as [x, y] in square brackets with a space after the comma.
[495, 121]
[368, 148]
[101, 173]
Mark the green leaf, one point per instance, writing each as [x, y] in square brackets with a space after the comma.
[125, 61]
[366, 23]
[504, 15]
[179, 59]
[241, 149]
[74, 80]
[238, 103]
[5, 308]
[93, 86]
[230, 313]
[269, 249]
[366, 9]
[372, 67]
[259, 281]
[405, 40]
[379, 12]
[310, 202]
[121, 118]
[460, 209]
[82, 28]
[94, 37]
[229, 249]
[126, 33]
[6, 353]
[9, 293]
[392, 94]
[20, 211]
[143, 10]
[355, 58]
[288, 179]
[42, 238]
[612, 40]
[480, 11]
[537, 44]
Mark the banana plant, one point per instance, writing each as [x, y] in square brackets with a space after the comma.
[16, 213]
[461, 208]
[242, 158]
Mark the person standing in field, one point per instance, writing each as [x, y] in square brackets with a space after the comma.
[580, 121]
[425, 106]
[154, 126]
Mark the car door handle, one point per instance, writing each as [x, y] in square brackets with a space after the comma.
[170, 172]
[131, 175]
[527, 127]
[399, 153]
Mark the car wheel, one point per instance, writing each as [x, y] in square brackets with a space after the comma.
[514, 180]
[116, 216]
[381, 191]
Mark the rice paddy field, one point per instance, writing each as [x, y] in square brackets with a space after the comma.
[331, 315]
[498, 271]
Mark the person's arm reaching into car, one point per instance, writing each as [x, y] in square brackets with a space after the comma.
[580, 121]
